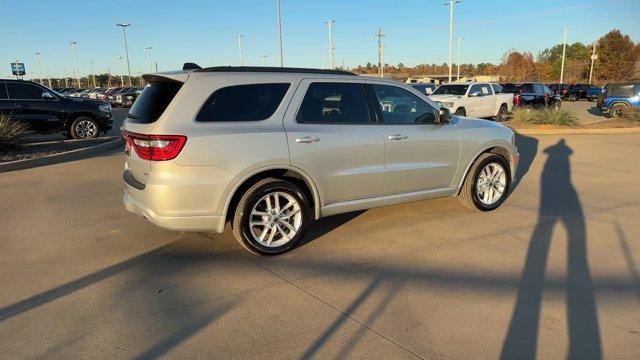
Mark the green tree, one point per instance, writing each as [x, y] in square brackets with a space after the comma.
[576, 65]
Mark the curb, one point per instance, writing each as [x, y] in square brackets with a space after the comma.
[575, 131]
[60, 157]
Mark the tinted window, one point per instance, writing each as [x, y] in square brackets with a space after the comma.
[399, 106]
[152, 102]
[497, 88]
[546, 90]
[623, 90]
[252, 102]
[451, 90]
[526, 88]
[3, 91]
[485, 89]
[24, 91]
[509, 88]
[538, 88]
[341, 103]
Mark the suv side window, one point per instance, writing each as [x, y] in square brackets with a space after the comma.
[539, 90]
[24, 91]
[546, 90]
[399, 106]
[475, 88]
[3, 91]
[334, 103]
[252, 102]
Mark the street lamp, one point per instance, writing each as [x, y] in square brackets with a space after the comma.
[39, 70]
[280, 33]
[239, 37]
[75, 60]
[126, 50]
[459, 46]
[450, 3]
[564, 50]
[119, 58]
[149, 48]
[330, 25]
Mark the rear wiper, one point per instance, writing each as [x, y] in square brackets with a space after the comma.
[133, 116]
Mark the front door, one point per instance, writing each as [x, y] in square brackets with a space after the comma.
[419, 154]
[333, 138]
[32, 109]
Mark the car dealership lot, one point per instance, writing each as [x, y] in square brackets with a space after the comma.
[556, 266]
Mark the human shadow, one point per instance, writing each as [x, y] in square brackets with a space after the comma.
[559, 202]
[593, 110]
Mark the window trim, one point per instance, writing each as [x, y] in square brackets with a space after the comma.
[378, 112]
[195, 118]
[372, 119]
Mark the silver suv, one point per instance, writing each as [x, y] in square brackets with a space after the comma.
[270, 149]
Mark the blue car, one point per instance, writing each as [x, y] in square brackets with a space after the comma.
[620, 96]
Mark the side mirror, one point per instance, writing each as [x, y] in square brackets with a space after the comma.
[474, 94]
[47, 96]
[443, 115]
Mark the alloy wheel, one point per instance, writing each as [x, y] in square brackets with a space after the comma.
[275, 219]
[86, 129]
[491, 183]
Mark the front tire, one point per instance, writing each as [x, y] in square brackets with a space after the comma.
[272, 217]
[616, 111]
[487, 184]
[84, 128]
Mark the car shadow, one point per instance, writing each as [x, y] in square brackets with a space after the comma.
[528, 148]
[559, 203]
[593, 110]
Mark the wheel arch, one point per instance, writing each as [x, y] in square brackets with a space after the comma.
[493, 149]
[285, 172]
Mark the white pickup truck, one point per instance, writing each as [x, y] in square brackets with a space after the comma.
[478, 100]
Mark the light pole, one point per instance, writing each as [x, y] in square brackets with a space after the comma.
[126, 50]
[379, 35]
[564, 51]
[594, 57]
[108, 77]
[149, 48]
[330, 25]
[239, 38]
[75, 60]
[119, 58]
[459, 46]
[39, 70]
[264, 60]
[280, 33]
[93, 75]
[450, 3]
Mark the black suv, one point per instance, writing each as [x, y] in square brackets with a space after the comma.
[532, 94]
[46, 111]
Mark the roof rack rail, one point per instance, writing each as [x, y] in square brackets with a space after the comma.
[274, 70]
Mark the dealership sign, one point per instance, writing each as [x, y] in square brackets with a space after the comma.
[17, 68]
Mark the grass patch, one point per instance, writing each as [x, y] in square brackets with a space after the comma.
[545, 116]
[631, 113]
[12, 133]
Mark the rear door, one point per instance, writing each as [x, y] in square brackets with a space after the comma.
[32, 109]
[419, 154]
[7, 106]
[332, 136]
[488, 102]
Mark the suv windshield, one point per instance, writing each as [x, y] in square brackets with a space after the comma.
[152, 102]
[451, 90]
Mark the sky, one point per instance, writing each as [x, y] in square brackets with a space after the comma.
[204, 32]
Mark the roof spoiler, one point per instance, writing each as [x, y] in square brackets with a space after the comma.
[190, 66]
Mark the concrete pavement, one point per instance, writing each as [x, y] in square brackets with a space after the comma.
[554, 273]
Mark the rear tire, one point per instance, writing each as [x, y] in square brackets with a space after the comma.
[470, 194]
[616, 110]
[272, 217]
[573, 98]
[84, 127]
[502, 112]
[460, 112]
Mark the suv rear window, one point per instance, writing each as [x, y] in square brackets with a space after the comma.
[152, 102]
[252, 102]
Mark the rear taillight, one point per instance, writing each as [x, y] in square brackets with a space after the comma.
[155, 147]
[516, 99]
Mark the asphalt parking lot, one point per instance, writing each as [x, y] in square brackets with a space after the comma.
[554, 273]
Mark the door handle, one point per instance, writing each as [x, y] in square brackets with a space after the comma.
[23, 105]
[307, 140]
[397, 137]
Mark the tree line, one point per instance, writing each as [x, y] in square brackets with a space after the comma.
[618, 60]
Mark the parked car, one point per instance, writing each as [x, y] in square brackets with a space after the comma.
[619, 97]
[480, 100]
[582, 91]
[271, 149]
[111, 97]
[102, 95]
[45, 110]
[128, 97]
[559, 89]
[532, 94]
[426, 88]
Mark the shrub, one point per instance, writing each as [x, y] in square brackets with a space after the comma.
[11, 133]
[631, 113]
[545, 116]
